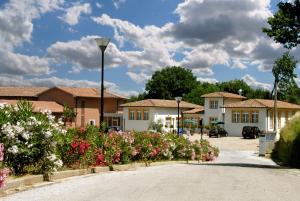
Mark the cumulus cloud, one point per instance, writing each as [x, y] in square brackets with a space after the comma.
[139, 77]
[16, 19]
[12, 63]
[251, 81]
[117, 3]
[11, 80]
[74, 13]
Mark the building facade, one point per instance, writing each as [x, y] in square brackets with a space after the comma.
[213, 105]
[84, 101]
[140, 115]
[257, 112]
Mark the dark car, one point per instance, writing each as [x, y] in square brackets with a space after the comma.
[115, 128]
[251, 132]
[217, 131]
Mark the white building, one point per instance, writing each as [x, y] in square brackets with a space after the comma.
[213, 105]
[257, 112]
[139, 115]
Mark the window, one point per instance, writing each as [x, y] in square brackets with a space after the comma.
[213, 119]
[146, 115]
[271, 119]
[92, 122]
[139, 115]
[245, 117]
[213, 104]
[235, 117]
[131, 115]
[254, 117]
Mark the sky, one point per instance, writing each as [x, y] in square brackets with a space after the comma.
[51, 42]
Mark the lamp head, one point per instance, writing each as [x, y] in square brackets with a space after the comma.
[102, 43]
[178, 99]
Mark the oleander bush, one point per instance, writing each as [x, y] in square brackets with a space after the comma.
[85, 147]
[29, 139]
[288, 147]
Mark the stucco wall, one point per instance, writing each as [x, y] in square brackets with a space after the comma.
[137, 125]
[235, 129]
[212, 112]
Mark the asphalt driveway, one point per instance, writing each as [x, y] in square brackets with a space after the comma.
[235, 175]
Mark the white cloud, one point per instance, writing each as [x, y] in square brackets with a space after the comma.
[16, 19]
[139, 77]
[297, 81]
[203, 72]
[209, 80]
[251, 81]
[98, 5]
[18, 64]
[117, 3]
[9, 80]
[74, 13]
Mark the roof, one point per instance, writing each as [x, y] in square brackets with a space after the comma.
[160, 103]
[223, 95]
[39, 105]
[87, 92]
[194, 111]
[262, 103]
[21, 91]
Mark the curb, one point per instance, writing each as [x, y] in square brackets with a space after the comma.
[31, 181]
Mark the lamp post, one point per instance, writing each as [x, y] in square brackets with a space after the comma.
[102, 44]
[178, 99]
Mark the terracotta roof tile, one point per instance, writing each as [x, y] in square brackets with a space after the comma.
[39, 105]
[262, 103]
[89, 92]
[194, 111]
[160, 103]
[222, 95]
[21, 91]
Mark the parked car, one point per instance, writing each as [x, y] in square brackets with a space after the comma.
[251, 132]
[217, 131]
[115, 128]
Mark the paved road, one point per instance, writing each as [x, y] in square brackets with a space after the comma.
[235, 175]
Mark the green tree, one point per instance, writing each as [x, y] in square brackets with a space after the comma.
[285, 24]
[170, 82]
[202, 88]
[283, 71]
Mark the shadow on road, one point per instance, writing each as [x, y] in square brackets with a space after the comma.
[246, 165]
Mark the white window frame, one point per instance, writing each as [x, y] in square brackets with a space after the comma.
[139, 115]
[254, 116]
[131, 114]
[213, 104]
[94, 122]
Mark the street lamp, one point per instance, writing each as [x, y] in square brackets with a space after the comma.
[102, 44]
[178, 99]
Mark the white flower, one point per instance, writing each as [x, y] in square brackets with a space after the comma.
[16, 108]
[58, 163]
[2, 105]
[48, 134]
[52, 157]
[25, 135]
[14, 149]
[30, 145]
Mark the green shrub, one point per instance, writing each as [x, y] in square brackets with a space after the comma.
[288, 147]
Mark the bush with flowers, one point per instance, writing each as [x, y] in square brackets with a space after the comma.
[85, 147]
[29, 139]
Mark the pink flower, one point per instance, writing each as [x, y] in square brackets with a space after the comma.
[1, 151]
[3, 175]
[193, 155]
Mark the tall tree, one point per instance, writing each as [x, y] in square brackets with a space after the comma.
[202, 88]
[285, 24]
[283, 71]
[170, 82]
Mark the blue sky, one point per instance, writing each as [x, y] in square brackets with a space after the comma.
[46, 43]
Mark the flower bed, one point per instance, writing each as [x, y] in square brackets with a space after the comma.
[88, 147]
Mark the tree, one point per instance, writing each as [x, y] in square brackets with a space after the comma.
[170, 82]
[283, 71]
[202, 88]
[285, 24]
